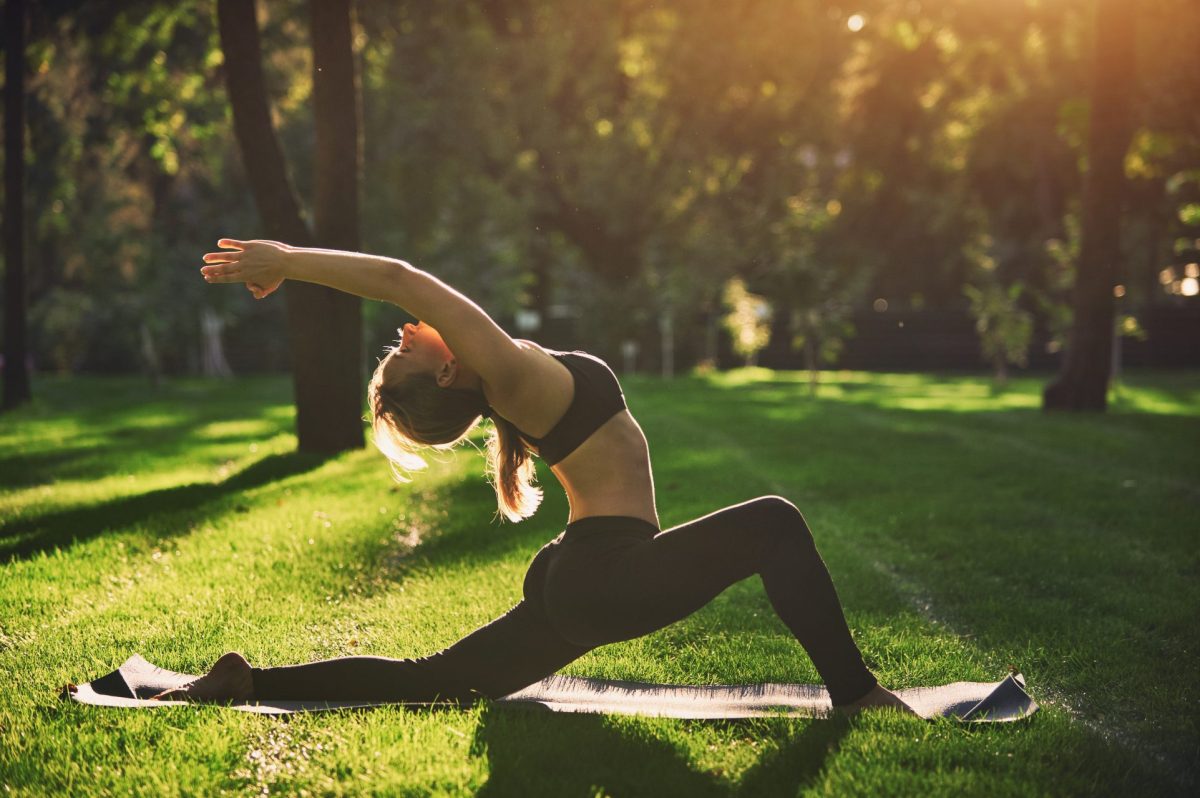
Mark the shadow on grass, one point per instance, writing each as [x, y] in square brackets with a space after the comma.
[532, 753]
[103, 447]
[27, 469]
[29, 536]
[82, 428]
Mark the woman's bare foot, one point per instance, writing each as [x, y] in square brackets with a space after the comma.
[229, 681]
[879, 697]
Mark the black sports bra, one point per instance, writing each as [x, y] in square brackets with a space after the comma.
[598, 398]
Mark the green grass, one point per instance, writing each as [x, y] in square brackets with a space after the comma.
[966, 532]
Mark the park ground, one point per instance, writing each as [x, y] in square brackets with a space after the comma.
[967, 533]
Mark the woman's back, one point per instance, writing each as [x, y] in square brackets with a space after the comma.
[608, 472]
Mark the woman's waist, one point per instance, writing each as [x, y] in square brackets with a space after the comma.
[609, 485]
[593, 525]
[634, 502]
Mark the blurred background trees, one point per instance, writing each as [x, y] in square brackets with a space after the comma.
[15, 352]
[596, 174]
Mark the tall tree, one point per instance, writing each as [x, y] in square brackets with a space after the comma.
[324, 326]
[333, 387]
[16, 372]
[1082, 384]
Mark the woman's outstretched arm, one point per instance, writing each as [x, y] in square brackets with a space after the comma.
[469, 332]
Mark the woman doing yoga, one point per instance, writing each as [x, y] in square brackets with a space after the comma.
[611, 575]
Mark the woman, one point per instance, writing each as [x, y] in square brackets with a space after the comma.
[611, 575]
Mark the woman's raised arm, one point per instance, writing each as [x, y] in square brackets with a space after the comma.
[471, 334]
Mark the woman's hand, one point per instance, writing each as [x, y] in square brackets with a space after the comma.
[259, 264]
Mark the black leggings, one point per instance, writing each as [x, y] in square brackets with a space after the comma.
[605, 579]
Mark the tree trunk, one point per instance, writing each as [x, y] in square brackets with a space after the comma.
[324, 328]
[326, 324]
[666, 330]
[712, 332]
[1082, 384]
[811, 363]
[261, 155]
[16, 350]
[212, 358]
[150, 359]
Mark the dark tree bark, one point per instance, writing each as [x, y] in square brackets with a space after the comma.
[1082, 384]
[329, 386]
[16, 351]
[324, 326]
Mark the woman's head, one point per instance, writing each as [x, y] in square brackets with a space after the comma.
[414, 403]
[421, 350]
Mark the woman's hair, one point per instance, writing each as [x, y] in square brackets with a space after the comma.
[414, 412]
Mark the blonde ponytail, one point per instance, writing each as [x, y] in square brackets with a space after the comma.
[513, 472]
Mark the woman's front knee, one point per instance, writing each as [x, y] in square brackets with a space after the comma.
[777, 507]
[780, 514]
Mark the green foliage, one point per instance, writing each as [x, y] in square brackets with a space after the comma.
[1005, 328]
[619, 162]
[812, 277]
[1129, 327]
[747, 319]
[822, 332]
[64, 317]
[132, 166]
[1189, 213]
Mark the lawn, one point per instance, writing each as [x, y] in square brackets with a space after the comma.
[967, 532]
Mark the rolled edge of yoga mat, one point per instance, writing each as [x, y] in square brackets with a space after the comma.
[132, 685]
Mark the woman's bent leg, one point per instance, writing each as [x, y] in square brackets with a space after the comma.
[513, 651]
[649, 584]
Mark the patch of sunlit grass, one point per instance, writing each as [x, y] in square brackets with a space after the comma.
[965, 533]
[1136, 392]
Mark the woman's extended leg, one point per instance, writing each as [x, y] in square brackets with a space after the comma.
[513, 651]
[597, 596]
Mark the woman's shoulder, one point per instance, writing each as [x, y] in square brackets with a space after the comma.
[534, 346]
[546, 354]
[541, 395]
[537, 361]
[525, 343]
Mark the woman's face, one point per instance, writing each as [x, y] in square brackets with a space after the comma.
[421, 350]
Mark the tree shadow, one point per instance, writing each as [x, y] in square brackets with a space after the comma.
[82, 427]
[26, 470]
[533, 753]
[103, 447]
[30, 536]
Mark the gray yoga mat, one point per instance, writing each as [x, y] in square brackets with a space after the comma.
[136, 680]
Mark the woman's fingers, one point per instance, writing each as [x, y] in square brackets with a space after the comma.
[240, 260]
[260, 291]
[222, 274]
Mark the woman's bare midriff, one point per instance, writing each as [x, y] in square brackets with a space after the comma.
[609, 474]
